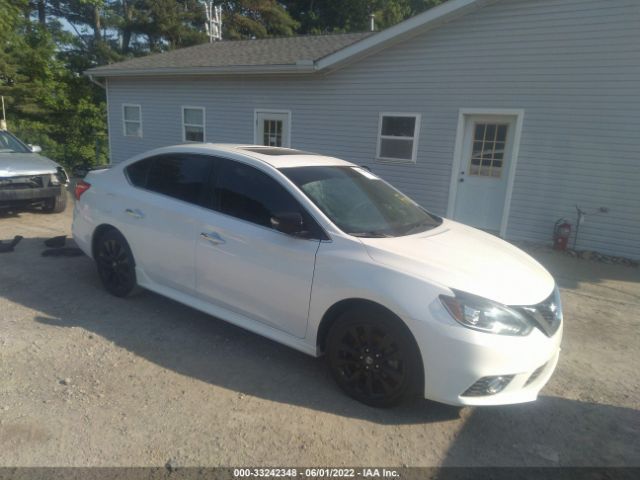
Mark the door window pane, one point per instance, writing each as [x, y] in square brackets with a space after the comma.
[272, 133]
[249, 194]
[488, 149]
[180, 176]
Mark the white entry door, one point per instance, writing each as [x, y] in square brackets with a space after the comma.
[272, 129]
[484, 170]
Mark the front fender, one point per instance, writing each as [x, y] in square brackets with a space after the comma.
[345, 271]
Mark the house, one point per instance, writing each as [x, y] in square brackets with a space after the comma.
[503, 114]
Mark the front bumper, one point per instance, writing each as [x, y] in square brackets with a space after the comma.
[456, 357]
[11, 195]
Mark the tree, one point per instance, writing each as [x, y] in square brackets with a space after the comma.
[325, 16]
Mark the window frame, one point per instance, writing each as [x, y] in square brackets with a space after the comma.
[414, 138]
[203, 126]
[125, 121]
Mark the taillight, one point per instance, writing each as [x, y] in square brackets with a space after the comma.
[81, 187]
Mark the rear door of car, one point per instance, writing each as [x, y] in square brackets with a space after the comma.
[159, 215]
[242, 263]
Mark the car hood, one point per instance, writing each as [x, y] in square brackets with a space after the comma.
[16, 164]
[467, 259]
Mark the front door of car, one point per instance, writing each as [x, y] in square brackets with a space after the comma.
[159, 216]
[242, 263]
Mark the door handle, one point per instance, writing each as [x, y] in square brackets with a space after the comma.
[461, 180]
[135, 213]
[213, 238]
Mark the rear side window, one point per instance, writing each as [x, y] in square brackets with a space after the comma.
[137, 172]
[179, 176]
[249, 194]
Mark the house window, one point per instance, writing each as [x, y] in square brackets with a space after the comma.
[487, 156]
[193, 124]
[132, 120]
[398, 137]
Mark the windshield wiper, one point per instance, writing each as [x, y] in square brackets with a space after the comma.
[371, 234]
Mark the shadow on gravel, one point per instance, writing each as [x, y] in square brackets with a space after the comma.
[68, 293]
[550, 432]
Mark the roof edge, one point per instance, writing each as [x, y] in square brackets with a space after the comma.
[300, 67]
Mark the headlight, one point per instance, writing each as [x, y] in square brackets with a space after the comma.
[59, 177]
[485, 315]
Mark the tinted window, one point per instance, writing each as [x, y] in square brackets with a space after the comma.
[249, 194]
[179, 176]
[137, 172]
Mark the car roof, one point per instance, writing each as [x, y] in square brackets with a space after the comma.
[277, 157]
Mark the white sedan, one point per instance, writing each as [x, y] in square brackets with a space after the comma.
[323, 256]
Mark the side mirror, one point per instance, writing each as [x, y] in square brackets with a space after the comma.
[35, 148]
[290, 223]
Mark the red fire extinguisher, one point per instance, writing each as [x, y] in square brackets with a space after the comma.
[561, 234]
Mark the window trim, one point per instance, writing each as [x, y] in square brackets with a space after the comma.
[204, 123]
[124, 119]
[415, 138]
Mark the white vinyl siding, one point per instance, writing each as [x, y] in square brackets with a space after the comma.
[132, 120]
[193, 124]
[398, 137]
[572, 65]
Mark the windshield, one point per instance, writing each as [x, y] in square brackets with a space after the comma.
[360, 203]
[10, 144]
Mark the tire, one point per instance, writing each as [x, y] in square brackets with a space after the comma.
[56, 204]
[115, 264]
[373, 357]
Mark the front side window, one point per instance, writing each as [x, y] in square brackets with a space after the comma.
[245, 192]
[193, 124]
[132, 118]
[180, 176]
[398, 137]
[360, 203]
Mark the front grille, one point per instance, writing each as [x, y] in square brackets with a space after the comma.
[27, 181]
[535, 375]
[547, 315]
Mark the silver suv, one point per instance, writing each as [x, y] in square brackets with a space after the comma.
[28, 179]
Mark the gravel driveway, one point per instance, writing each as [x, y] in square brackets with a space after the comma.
[92, 380]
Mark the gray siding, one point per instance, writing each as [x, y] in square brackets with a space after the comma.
[572, 65]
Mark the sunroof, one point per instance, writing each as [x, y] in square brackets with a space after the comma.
[275, 151]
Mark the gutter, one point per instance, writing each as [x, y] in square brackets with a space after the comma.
[93, 80]
[300, 67]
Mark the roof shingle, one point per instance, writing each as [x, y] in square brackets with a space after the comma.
[288, 51]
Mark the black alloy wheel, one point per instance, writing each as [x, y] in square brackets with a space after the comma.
[373, 358]
[115, 263]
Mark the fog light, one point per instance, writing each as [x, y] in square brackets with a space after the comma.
[488, 386]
